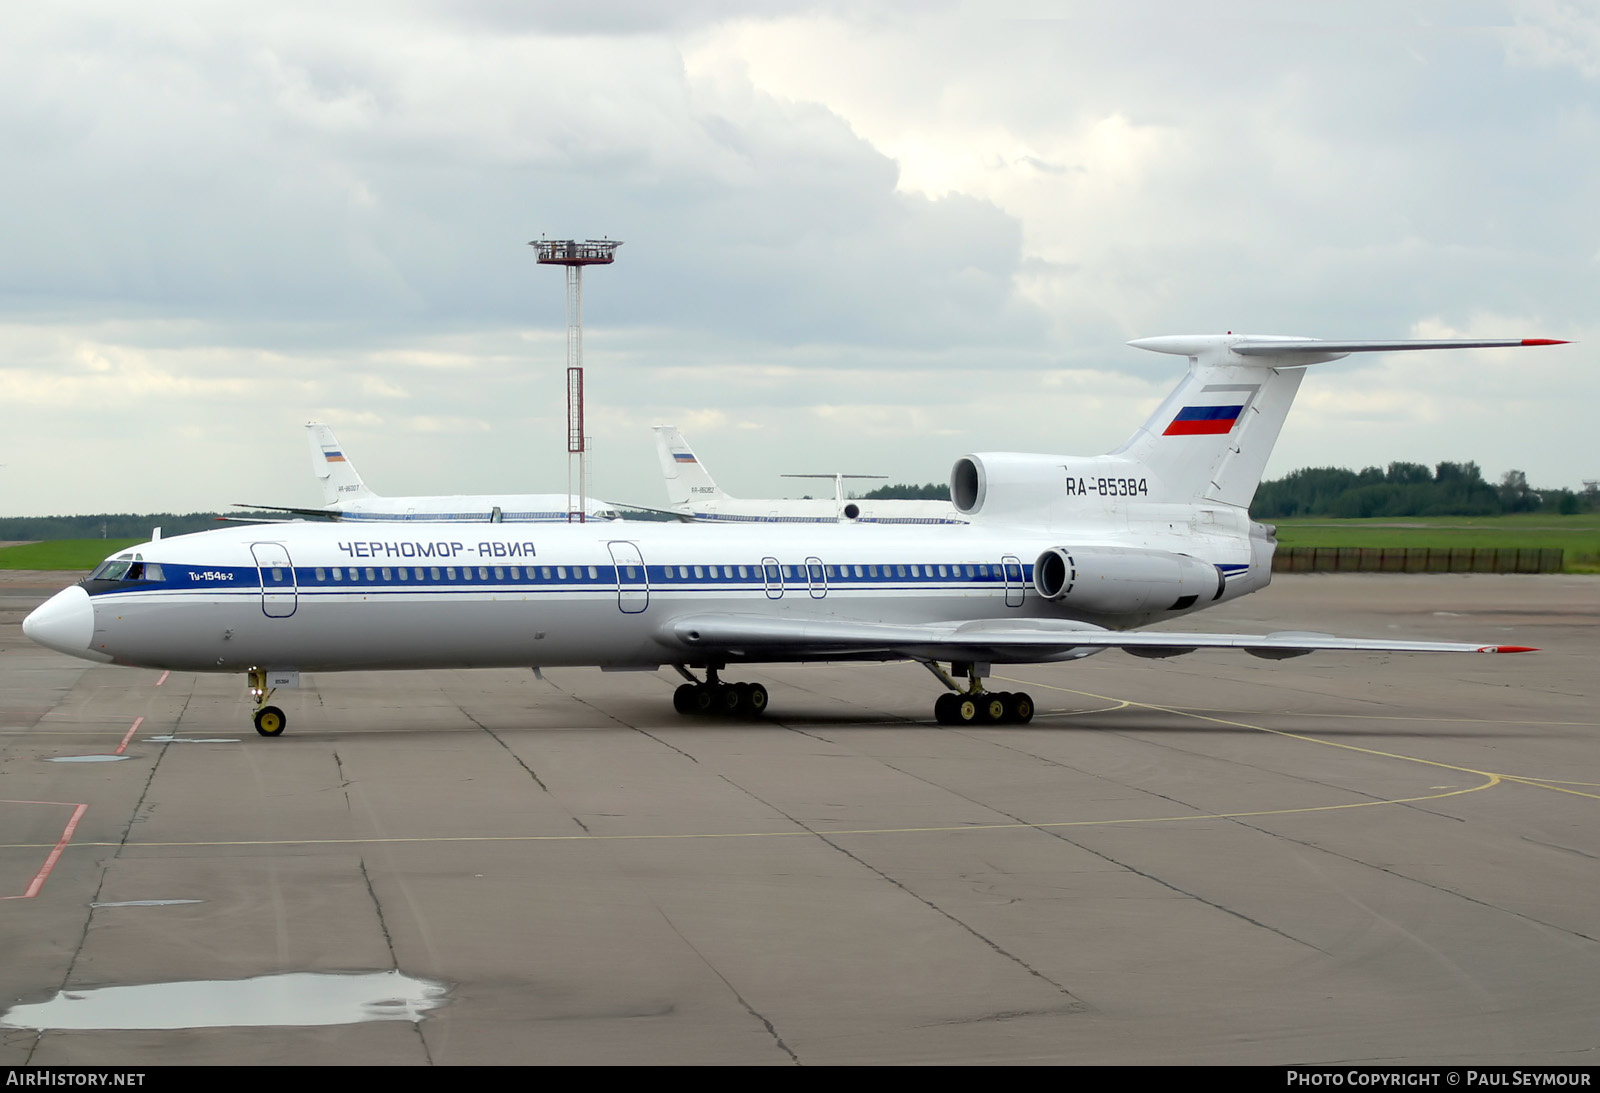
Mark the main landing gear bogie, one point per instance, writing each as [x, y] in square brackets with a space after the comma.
[724, 699]
[984, 708]
[973, 705]
[716, 698]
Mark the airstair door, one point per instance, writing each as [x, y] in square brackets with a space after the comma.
[1011, 566]
[633, 583]
[278, 589]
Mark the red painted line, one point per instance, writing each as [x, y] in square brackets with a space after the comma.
[123, 746]
[164, 676]
[55, 855]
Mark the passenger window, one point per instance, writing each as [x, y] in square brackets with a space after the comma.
[386, 573]
[450, 572]
[743, 573]
[355, 574]
[516, 573]
[338, 574]
[371, 576]
[858, 571]
[434, 572]
[594, 574]
[322, 574]
[499, 573]
[561, 572]
[403, 573]
[683, 571]
[872, 571]
[899, 571]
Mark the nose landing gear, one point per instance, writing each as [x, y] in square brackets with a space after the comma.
[270, 721]
[975, 706]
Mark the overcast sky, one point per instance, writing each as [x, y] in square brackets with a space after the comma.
[858, 237]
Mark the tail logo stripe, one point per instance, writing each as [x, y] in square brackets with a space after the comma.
[1204, 420]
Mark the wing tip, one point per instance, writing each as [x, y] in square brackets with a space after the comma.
[1508, 649]
[1545, 341]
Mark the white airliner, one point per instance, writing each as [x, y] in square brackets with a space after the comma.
[692, 492]
[349, 499]
[1064, 557]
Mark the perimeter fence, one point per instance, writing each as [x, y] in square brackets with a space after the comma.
[1418, 560]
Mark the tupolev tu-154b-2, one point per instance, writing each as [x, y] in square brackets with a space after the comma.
[1062, 557]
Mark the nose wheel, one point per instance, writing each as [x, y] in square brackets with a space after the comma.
[270, 721]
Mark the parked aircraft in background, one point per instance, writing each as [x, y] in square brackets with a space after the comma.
[349, 499]
[1065, 556]
[692, 492]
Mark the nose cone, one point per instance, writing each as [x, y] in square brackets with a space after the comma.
[65, 623]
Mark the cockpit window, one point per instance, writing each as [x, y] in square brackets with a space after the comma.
[127, 567]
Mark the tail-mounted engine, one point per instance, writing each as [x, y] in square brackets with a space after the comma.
[1125, 580]
[1007, 484]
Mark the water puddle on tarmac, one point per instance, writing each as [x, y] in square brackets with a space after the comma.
[297, 998]
[87, 758]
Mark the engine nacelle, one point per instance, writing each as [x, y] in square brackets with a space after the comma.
[1004, 483]
[1125, 580]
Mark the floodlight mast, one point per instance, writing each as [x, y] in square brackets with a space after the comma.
[575, 255]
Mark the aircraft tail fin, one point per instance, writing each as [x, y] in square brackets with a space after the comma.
[334, 471]
[1211, 438]
[687, 479]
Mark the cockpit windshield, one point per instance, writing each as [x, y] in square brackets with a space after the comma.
[127, 567]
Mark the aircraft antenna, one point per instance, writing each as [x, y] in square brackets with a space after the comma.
[575, 254]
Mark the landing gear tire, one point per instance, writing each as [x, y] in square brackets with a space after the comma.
[270, 721]
[965, 710]
[944, 711]
[1019, 708]
[683, 698]
[992, 708]
[753, 702]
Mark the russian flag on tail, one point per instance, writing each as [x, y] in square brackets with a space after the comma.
[1204, 420]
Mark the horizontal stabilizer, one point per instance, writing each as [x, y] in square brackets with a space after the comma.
[316, 514]
[1271, 345]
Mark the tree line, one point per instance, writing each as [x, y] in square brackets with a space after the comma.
[1411, 489]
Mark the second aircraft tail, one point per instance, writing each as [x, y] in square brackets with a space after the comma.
[687, 480]
[335, 473]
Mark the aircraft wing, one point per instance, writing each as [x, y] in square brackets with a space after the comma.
[1002, 640]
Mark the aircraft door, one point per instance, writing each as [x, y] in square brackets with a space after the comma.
[1011, 566]
[633, 584]
[816, 578]
[278, 589]
[772, 577]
